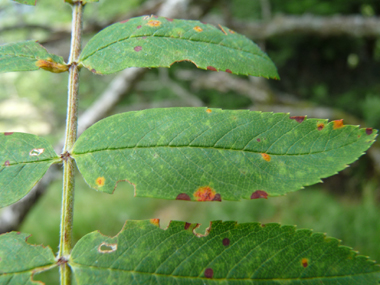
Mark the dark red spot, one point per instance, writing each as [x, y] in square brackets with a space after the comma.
[228, 71]
[187, 225]
[368, 131]
[305, 262]
[259, 194]
[93, 70]
[217, 198]
[124, 21]
[7, 163]
[259, 140]
[139, 27]
[226, 241]
[209, 273]
[320, 126]
[183, 196]
[299, 119]
[169, 19]
[138, 48]
[211, 68]
[8, 133]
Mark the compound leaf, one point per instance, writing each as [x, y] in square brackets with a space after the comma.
[152, 41]
[29, 56]
[24, 160]
[20, 260]
[143, 253]
[210, 154]
[27, 2]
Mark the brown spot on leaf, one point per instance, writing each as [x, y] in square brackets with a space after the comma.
[93, 70]
[100, 181]
[338, 124]
[263, 225]
[217, 197]
[368, 131]
[211, 68]
[155, 222]
[226, 241]
[8, 133]
[320, 126]
[138, 48]
[107, 247]
[259, 140]
[198, 29]
[209, 273]
[187, 225]
[259, 194]
[7, 163]
[52, 66]
[228, 70]
[139, 27]
[305, 262]
[205, 193]
[266, 156]
[183, 196]
[122, 22]
[154, 23]
[209, 111]
[299, 119]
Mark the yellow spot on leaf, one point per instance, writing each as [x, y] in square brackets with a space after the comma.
[154, 23]
[52, 66]
[100, 181]
[208, 110]
[198, 29]
[266, 156]
[155, 222]
[338, 124]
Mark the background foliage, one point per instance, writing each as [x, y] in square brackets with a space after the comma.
[331, 77]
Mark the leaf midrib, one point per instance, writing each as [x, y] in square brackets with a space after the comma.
[169, 37]
[78, 265]
[205, 147]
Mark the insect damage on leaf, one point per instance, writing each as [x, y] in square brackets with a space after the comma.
[50, 65]
[36, 151]
[305, 262]
[107, 247]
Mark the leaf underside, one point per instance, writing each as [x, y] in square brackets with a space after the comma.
[28, 56]
[26, 2]
[24, 160]
[20, 260]
[152, 41]
[209, 154]
[231, 253]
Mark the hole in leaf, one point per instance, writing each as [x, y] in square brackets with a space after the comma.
[36, 151]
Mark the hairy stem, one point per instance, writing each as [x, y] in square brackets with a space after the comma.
[65, 245]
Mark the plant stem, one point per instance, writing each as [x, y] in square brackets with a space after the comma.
[65, 245]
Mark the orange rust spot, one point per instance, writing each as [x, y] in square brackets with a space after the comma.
[208, 110]
[205, 193]
[266, 156]
[154, 23]
[231, 31]
[305, 262]
[338, 124]
[198, 29]
[52, 66]
[100, 181]
[155, 222]
[320, 126]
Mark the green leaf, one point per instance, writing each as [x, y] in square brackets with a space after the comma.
[26, 2]
[210, 154]
[20, 260]
[29, 56]
[152, 41]
[143, 253]
[24, 160]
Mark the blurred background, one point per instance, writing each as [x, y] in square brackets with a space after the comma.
[328, 56]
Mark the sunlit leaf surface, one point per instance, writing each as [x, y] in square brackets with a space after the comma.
[24, 160]
[152, 41]
[143, 253]
[209, 154]
[20, 260]
[29, 56]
